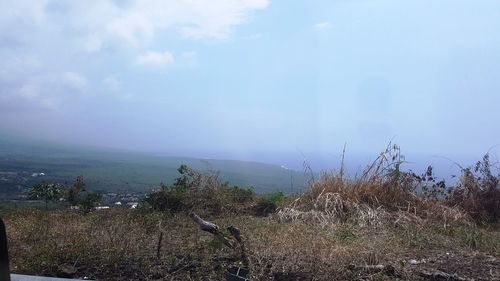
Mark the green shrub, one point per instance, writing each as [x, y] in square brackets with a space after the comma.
[277, 198]
[166, 199]
[198, 191]
[269, 203]
[240, 195]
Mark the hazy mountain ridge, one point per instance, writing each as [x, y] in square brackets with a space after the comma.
[114, 170]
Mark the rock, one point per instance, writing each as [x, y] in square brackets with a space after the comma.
[416, 262]
[66, 271]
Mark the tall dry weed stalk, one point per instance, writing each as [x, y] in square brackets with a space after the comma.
[382, 190]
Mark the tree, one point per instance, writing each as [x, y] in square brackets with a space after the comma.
[73, 192]
[46, 191]
[193, 179]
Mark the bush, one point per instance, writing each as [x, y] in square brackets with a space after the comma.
[478, 192]
[73, 192]
[382, 190]
[166, 199]
[199, 191]
[268, 204]
[277, 198]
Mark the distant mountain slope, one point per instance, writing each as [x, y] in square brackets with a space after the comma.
[21, 162]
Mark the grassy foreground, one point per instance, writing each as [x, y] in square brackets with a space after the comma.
[388, 224]
[123, 244]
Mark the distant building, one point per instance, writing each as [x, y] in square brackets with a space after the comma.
[133, 205]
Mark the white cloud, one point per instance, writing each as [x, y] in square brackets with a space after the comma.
[133, 28]
[74, 81]
[155, 59]
[35, 92]
[29, 91]
[112, 83]
[40, 40]
[195, 19]
[323, 25]
[137, 22]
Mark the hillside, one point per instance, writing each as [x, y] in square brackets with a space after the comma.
[114, 170]
[372, 228]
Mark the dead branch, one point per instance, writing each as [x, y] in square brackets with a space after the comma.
[439, 275]
[160, 239]
[206, 225]
[210, 227]
[235, 232]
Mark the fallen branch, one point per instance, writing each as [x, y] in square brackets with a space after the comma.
[216, 230]
[439, 275]
[236, 233]
[212, 228]
[205, 225]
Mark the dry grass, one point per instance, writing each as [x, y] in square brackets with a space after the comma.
[122, 245]
[382, 194]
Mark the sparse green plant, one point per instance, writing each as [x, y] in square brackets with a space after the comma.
[73, 192]
[346, 234]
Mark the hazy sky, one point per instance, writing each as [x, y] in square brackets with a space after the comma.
[250, 78]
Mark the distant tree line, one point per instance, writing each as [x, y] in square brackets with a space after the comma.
[75, 194]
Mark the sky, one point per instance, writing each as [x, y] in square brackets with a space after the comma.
[265, 80]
